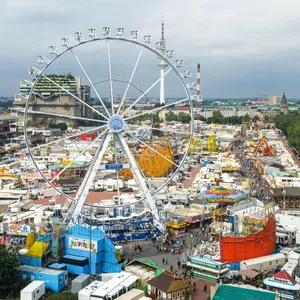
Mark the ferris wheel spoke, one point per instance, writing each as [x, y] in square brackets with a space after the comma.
[131, 77]
[149, 89]
[61, 116]
[157, 109]
[117, 171]
[110, 80]
[78, 155]
[152, 149]
[88, 179]
[71, 94]
[140, 181]
[64, 139]
[89, 80]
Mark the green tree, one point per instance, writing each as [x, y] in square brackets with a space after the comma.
[62, 126]
[290, 126]
[187, 294]
[171, 116]
[217, 117]
[10, 261]
[29, 123]
[6, 104]
[183, 117]
[246, 118]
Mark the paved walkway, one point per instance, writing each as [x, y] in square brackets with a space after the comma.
[150, 251]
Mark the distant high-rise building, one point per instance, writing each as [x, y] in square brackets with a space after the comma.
[50, 98]
[274, 100]
[284, 104]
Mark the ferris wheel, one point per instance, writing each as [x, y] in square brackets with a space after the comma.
[117, 144]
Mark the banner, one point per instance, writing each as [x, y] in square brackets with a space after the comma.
[82, 244]
[55, 245]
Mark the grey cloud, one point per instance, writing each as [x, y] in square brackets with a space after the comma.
[245, 47]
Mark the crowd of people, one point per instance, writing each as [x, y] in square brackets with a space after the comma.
[248, 170]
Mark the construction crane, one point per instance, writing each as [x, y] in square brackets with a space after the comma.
[266, 150]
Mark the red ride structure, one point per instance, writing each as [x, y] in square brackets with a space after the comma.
[235, 249]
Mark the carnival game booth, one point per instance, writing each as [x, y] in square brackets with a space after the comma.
[87, 249]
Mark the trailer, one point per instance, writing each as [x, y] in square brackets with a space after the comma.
[111, 185]
[33, 291]
[282, 239]
[118, 285]
[132, 185]
[133, 294]
[99, 185]
[289, 230]
[55, 280]
[80, 282]
[264, 263]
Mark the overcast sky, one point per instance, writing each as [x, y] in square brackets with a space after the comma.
[246, 48]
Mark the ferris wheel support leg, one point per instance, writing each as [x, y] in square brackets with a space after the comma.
[88, 179]
[142, 186]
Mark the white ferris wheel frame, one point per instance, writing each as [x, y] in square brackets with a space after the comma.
[82, 192]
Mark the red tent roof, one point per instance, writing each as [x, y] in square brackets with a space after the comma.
[284, 275]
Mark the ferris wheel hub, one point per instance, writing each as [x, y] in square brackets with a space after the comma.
[116, 124]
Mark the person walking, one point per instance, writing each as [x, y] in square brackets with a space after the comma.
[166, 260]
[171, 268]
[163, 260]
[178, 263]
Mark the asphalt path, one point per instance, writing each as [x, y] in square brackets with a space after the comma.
[257, 183]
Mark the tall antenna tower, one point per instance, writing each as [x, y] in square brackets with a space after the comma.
[198, 91]
[162, 65]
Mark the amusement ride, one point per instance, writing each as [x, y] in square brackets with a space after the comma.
[116, 122]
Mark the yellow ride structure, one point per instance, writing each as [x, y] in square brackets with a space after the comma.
[211, 143]
[151, 163]
[196, 143]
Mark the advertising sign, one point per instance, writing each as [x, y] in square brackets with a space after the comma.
[82, 244]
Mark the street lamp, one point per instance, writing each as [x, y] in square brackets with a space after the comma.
[284, 193]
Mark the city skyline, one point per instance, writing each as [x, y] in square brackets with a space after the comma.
[244, 49]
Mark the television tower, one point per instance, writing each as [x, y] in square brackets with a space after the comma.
[162, 65]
